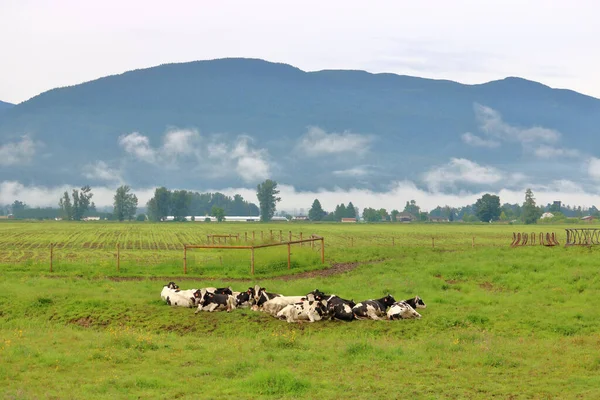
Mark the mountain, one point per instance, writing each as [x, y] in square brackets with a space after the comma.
[4, 106]
[233, 122]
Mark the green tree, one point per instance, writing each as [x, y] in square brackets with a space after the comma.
[17, 208]
[383, 215]
[530, 212]
[266, 193]
[159, 205]
[371, 215]
[66, 207]
[487, 208]
[340, 212]
[394, 215]
[125, 204]
[316, 212]
[81, 202]
[180, 204]
[350, 211]
[413, 208]
[218, 213]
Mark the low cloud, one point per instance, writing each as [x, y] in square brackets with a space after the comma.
[461, 170]
[593, 168]
[545, 151]
[18, 153]
[217, 154]
[491, 123]
[101, 171]
[293, 200]
[355, 172]
[316, 142]
[476, 141]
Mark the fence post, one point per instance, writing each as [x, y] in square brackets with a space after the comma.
[245, 236]
[432, 242]
[280, 236]
[289, 256]
[290, 237]
[393, 242]
[51, 255]
[118, 257]
[351, 241]
[301, 243]
[262, 236]
[252, 260]
[185, 259]
[322, 250]
[473, 242]
[271, 230]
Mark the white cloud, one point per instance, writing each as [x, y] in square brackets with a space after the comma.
[476, 141]
[461, 170]
[180, 142]
[219, 156]
[355, 172]
[251, 164]
[316, 142]
[491, 123]
[19, 153]
[102, 171]
[594, 168]
[138, 146]
[545, 151]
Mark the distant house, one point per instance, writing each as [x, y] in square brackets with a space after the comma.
[588, 218]
[438, 219]
[91, 219]
[300, 218]
[348, 219]
[547, 215]
[405, 217]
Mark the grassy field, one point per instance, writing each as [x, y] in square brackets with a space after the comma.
[500, 322]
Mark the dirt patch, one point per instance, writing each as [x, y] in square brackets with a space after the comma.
[486, 286]
[85, 322]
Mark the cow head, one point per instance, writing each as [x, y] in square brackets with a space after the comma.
[206, 298]
[242, 298]
[419, 302]
[388, 300]
[321, 307]
[172, 285]
[318, 295]
[404, 310]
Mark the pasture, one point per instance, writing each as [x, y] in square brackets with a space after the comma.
[499, 322]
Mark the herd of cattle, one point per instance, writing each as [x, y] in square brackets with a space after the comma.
[313, 306]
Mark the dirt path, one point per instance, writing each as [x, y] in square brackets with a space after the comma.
[334, 269]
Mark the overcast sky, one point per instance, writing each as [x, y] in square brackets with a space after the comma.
[50, 43]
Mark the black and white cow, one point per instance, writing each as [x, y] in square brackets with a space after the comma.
[262, 297]
[339, 308]
[273, 306]
[168, 288]
[244, 299]
[373, 309]
[415, 302]
[402, 310]
[304, 311]
[212, 302]
[180, 298]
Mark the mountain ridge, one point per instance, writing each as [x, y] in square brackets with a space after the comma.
[405, 124]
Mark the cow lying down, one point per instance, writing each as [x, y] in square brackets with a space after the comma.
[214, 301]
[304, 311]
[402, 310]
[373, 309]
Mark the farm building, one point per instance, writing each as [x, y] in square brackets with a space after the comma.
[405, 217]
[547, 215]
[300, 218]
[348, 219]
[588, 218]
[438, 219]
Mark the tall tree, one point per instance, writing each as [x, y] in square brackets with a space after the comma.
[218, 213]
[180, 204]
[350, 211]
[17, 208]
[316, 212]
[394, 214]
[413, 208]
[125, 204]
[530, 212]
[488, 208]
[66, 206]
[266, 193]
[81, 202]
[340, 212]
[159, 205]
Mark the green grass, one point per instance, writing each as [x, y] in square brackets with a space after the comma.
[500, 322]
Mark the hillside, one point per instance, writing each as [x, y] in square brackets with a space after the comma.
[5, 106]
[396, 127]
